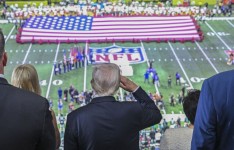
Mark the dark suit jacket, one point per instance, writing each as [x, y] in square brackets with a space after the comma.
[106, 124]
[26, 122]
[214, 122]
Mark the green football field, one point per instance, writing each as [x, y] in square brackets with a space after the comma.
[194, 61]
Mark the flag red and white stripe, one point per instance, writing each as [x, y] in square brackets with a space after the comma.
[145, 28]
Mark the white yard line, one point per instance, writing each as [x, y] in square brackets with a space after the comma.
[85, 65]
[52, 72]
[182, 68]
[155, 85]
[146, 57]
[207, 57]
[218, 36]
[220, 18]
[230, 23]
[120, 89]
[10, 34]
[26, 56]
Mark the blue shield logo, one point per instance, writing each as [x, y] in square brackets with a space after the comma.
[133, 55]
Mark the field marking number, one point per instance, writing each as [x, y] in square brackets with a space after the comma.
[55, 82]
[197, 80]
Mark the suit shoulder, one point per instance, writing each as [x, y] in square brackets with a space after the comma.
[78, 111]
[223, 76]
[27, 95]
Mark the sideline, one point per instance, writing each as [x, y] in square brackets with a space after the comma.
[52, 72]
[146, 57]
[220, 18]
[155, 85]
[182, 68]
[30, 46]
[207, 57]
[230, 23]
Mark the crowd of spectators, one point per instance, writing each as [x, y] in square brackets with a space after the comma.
[14, 13]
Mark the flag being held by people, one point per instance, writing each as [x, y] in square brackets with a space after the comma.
[101, 29]
[64, 56]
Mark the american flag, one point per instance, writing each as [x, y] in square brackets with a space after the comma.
[102, 29]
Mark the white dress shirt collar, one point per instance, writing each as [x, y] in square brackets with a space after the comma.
[1, 76]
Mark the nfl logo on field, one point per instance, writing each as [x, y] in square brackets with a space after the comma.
[132, 55]
[122, 56]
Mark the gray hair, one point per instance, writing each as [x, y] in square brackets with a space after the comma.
[105, 79]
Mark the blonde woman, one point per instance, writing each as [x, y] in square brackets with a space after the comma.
[25, 76]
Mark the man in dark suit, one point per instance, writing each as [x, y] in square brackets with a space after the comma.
[26, 122]
[106, 124]
[214, 122]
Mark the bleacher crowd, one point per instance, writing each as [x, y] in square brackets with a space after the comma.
[13, 12]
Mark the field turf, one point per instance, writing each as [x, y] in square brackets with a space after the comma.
[194, 61]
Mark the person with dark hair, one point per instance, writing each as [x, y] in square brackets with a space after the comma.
[65, 93]
[214, 122]
[28, 126]
[64, 66]
[190, 105]
[180, 138]
[76, 95]
[68, 65]
[169, 79]
[182, 91]
[59, 67]
[172, 100]
[99, 125]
